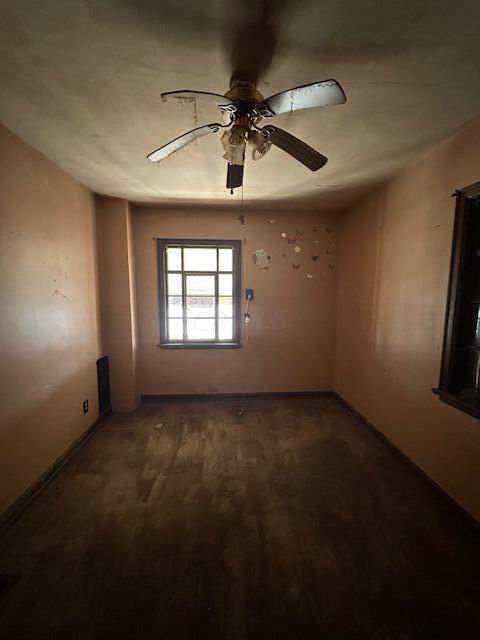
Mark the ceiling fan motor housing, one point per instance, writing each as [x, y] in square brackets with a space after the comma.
[242, 90]
[245, 98]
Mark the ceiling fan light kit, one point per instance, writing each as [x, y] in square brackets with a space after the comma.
[234, 142]
[242, 108]
[259, 143]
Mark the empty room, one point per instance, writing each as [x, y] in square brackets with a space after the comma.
[239, 320]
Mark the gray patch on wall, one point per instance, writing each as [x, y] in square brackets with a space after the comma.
[262, 259]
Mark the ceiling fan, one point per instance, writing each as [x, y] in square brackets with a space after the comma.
[242, 109]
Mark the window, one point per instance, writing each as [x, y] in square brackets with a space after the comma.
[199, 293]
[460, 372]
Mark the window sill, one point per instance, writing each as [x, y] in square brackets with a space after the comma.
[199, 345]
[472, 407]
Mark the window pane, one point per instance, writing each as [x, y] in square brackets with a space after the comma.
[203, 329]
[200, 285]
[200, 259]
[200, 307]
[174, 259]
[199, 299]
[225, 284]
[225, 259]
[175, 307]
[175, 329]
[225, 329]
[174, 284]
[225, 307]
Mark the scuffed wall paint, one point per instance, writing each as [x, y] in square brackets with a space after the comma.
[118, 299]
[394, 261]
[291, 333]
[49, 330]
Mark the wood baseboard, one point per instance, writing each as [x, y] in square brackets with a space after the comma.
[447, 499]
[236, 396]
[15, 510]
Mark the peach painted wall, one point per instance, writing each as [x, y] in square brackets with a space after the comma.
[118, 299]
[48, 324]
[394, 267]
[291, 336]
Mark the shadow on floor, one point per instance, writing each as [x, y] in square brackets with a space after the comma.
[185, 521]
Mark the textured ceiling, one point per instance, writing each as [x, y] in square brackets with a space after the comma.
[81, 81]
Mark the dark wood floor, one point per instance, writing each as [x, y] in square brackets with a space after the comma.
[293, 521]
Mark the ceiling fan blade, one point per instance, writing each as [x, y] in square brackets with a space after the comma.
[181, 141]
[188, 94]
[234, 176]
[295, 147]
[318, 94]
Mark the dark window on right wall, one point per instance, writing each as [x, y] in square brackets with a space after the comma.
[460, 371]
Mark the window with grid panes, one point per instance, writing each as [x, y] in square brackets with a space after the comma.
[199, 293]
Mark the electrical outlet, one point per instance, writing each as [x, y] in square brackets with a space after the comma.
[85, 406]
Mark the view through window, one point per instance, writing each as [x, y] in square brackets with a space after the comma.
[199, 287]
